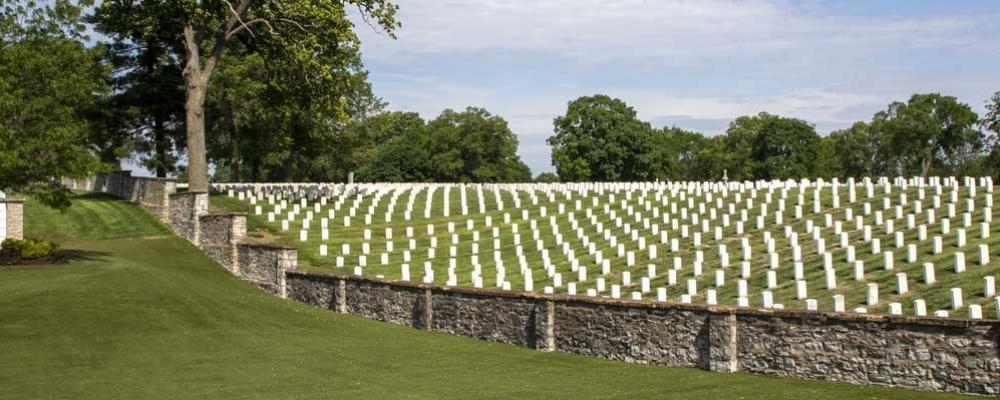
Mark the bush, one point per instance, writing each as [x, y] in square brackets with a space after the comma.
[13, 251]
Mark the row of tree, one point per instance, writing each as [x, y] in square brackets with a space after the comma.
[600, 138]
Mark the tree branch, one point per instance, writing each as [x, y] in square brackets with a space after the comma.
[293, 22]
[192, 70]
[246, 26]
[222, 39]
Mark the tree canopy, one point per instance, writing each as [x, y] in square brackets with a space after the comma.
[928, 130]
[600, 139]
[467, 146]
[306, 36]
[50, 86]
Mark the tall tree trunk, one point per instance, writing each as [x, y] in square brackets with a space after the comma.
[925, 167]
[195, 109]
[195, 78]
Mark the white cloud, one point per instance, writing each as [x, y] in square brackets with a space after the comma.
[693, 63]
[662, 32]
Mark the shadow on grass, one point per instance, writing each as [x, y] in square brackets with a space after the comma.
[95, 196]
[82, 255]
[63, 257]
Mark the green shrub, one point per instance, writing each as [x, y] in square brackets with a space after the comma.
[14, 250]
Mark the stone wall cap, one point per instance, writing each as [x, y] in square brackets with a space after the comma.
[628, 303]
[224, 215]
[154, 178]
[267, 246]
[11, 200]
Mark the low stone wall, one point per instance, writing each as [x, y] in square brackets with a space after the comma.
[265, 266]
[13, 218]
[923, 353]
[219, 236]
[185, 211]
[398, 304]
[494, 316]
[153, 194]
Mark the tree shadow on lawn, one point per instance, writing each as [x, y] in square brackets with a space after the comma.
[95, 196]
[62, 258]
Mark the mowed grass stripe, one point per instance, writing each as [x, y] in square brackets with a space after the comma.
[93, 216]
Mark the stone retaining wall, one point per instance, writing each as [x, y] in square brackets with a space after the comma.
[924, 353]
[266, 266]
[219, 236]
[186, 210]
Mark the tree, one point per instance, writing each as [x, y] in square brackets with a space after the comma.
[673, 153]
[474, 146]
[299, 31]
[468, 146]
[991, 123]
[547, 177]
[147, 111]
[50, 84]
[712, 161]
[928, 130]
[362, 139]
[600, 138]
[852, 152]
[767, 146]
[404, 158]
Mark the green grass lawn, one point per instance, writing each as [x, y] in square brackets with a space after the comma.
[146, 315]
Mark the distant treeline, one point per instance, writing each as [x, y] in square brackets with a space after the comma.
[599, 138]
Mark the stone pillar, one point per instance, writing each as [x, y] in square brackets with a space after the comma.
[169, 188]
[239, 231]
[545, 326]
[287, 262]
[11, 219]
[341, 296]
[428, 310]
[722, 341]
[185, 211]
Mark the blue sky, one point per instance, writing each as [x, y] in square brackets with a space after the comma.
[692, 64]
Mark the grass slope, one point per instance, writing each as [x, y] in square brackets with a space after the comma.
[153, 318]
[93, 216]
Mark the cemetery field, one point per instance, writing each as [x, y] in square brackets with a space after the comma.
[139, 313]
[891, 246]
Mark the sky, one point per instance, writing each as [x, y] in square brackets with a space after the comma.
[691, 64]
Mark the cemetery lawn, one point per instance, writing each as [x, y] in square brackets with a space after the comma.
[139, 313]
[352, 238]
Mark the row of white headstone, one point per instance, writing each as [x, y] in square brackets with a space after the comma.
[630, 256]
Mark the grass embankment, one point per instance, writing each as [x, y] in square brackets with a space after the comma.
[141, 314]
